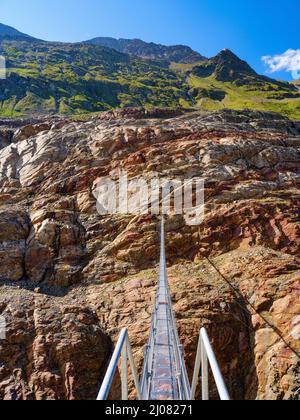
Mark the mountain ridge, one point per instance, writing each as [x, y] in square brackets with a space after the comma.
[8, 32]
[177, 53]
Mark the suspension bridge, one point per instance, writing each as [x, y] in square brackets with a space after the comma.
[164, 375]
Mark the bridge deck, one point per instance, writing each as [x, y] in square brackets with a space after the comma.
[164, 374]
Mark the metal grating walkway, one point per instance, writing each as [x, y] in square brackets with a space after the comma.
[164, 372]
[164, 376]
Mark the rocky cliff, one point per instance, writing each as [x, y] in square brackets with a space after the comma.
[70, 278]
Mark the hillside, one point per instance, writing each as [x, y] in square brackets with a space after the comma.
[76, 79]
[225, 81]
[79, 78]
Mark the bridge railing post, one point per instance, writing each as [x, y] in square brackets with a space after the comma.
[124, 372]
[122, 351]
[205, 357]
[133, 370]
[196, 370]
[204, 375]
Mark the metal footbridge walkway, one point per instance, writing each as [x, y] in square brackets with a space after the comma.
[164, 374]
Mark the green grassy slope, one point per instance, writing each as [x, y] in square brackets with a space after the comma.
[79, 78]
[270, 98]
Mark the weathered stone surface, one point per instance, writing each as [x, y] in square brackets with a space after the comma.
[56, 247]
[30, 130]
[59, 253]
[52, 351]
[5, 137]
[250, 350]
[14, 229]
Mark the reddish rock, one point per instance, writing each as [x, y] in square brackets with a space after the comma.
[52, 352]
[95, 274]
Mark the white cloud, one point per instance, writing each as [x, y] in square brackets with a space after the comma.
[288, 61]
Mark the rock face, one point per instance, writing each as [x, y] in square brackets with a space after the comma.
[5, 138]
[14, 228]
[52, 351]
[71, 279]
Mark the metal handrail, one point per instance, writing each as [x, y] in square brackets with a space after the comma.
[122, 351]
[206, 356]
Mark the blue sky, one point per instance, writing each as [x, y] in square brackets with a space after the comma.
[251, 29]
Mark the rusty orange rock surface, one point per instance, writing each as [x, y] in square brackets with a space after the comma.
[70, 279]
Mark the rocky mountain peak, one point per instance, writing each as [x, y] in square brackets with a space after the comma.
[226, 67]
[229, 56]
[229, 67]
